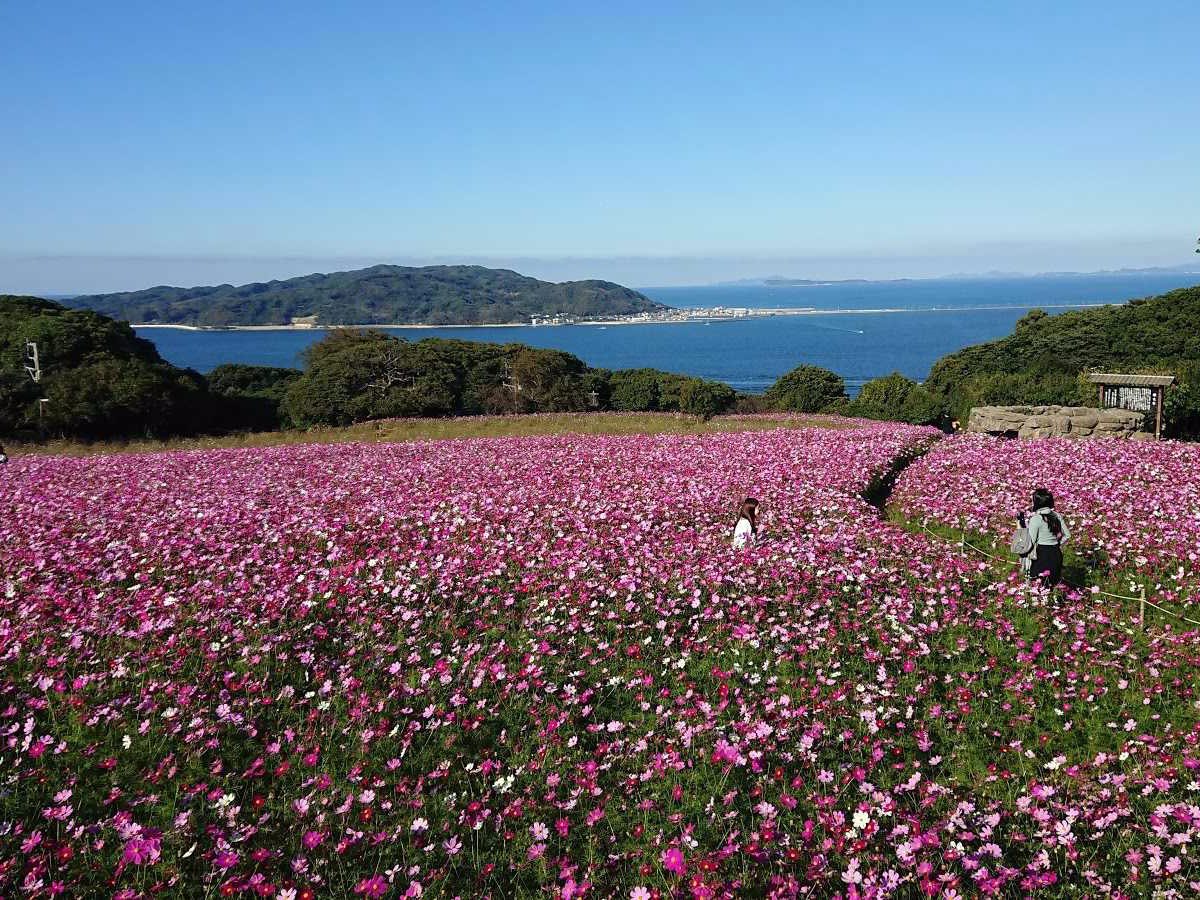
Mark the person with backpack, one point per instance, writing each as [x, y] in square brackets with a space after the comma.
[1047, 533]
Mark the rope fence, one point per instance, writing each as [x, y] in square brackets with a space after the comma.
[1141, 599]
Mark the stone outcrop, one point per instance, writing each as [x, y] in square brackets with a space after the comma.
[1057, 421]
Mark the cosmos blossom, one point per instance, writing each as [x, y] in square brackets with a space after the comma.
[535, 665]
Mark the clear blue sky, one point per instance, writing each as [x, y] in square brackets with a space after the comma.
[140, 140]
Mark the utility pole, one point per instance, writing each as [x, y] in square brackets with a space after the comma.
[33, 366]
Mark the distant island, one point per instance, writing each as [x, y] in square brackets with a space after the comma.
[379, 295]
[807, 282]
[1186, 268]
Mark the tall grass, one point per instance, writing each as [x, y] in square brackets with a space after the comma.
[395, 430]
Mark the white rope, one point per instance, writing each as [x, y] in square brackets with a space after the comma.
[965, 543]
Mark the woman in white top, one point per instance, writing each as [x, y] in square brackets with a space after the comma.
[746, 529]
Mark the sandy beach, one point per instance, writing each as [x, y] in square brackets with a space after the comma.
[700, 316]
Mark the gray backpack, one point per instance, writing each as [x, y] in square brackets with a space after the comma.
[1021, 543]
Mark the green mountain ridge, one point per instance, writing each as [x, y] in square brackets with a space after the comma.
[379, 295]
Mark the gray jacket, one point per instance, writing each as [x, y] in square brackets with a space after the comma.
[1039, 531]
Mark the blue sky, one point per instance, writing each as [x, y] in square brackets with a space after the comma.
[165, 141]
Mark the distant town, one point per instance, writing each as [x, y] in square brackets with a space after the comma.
[696, 314]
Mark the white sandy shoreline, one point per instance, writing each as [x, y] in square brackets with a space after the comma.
[683, 320]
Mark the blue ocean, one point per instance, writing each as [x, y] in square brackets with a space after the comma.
[862, 330]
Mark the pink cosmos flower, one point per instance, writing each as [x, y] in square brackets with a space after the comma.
[672, 861]
[143, 851]
[375, 886]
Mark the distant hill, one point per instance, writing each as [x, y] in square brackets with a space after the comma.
[379, 295]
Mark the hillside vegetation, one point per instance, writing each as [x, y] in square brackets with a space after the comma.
[379, 295]
[1040, 362]
[103, 382]
[98, 377]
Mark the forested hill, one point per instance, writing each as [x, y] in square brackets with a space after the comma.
[1041, 360]
[380, 295]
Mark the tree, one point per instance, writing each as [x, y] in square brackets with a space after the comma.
[705, 398]
[1039, 362]
[101, 379]
[806, 389]
[634, 390]
[355, 374]
[897, 399]
[251, 396]
[350, 376]
[549, 380]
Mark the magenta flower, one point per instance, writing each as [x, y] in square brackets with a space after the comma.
[375, 886]
[672, 861]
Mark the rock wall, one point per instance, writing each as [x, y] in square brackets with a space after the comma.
[1057, 421]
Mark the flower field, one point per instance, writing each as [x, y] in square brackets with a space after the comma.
[534, 667]
[1133, 508]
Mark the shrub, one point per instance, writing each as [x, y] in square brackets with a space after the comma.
[807, 389]
[897, 399]
[705, 398]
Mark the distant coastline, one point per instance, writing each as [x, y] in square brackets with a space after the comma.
[677, 317]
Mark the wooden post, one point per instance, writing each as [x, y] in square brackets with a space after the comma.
[1100, 402]
[1143, 607]
[1158, 392]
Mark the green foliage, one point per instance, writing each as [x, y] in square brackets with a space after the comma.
[236, 379]
[649, 390]
[807, 389]
[1040, 361]
[101, 379]
[1181, 405]
[353, 375]
[751, 404]
[380, 295]
[1025, 388]
[548, 380]
[635, 390]
[897, 399]
[253, 395]
[705, 398]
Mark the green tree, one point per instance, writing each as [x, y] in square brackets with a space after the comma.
[349, 377]
[549, 380]
[806, 389]
[897, 399]
[634, 390]
[101, 379]
[705, 398]
[1040, 361]
[252, 396]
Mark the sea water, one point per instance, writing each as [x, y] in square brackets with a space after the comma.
[897, 326]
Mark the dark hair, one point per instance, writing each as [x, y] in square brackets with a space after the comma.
[749, 511]
[1043, 499]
